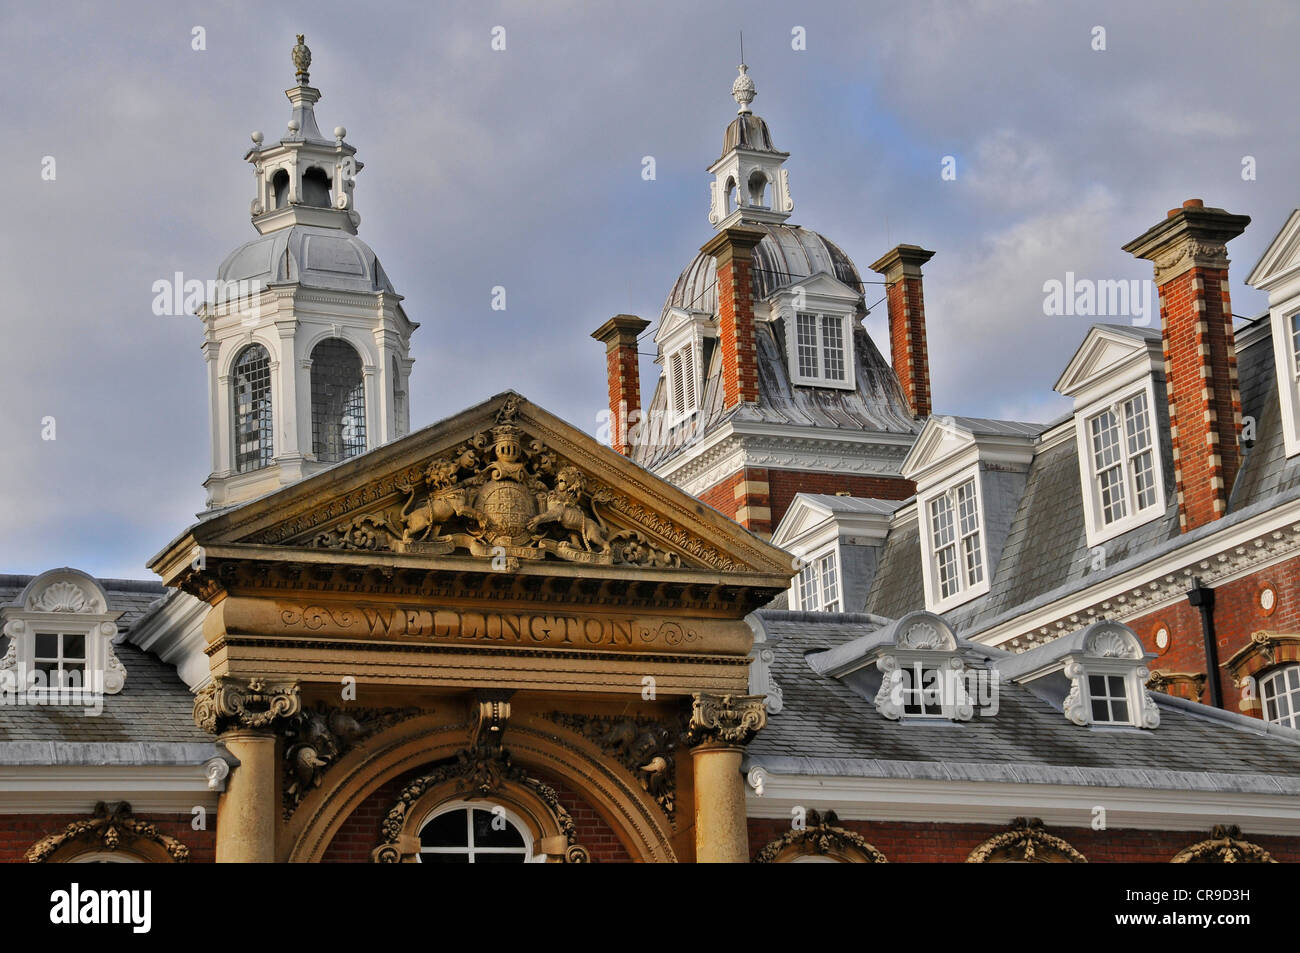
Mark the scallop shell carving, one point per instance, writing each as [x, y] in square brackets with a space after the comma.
[62, 597]
[1111, 645]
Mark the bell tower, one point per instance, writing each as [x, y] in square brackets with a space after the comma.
[750, 183]
[306, 341]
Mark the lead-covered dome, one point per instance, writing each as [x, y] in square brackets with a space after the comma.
[786, 254]
[313, 256]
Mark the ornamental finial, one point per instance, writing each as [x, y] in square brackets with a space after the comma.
[301, 60]
[743, 89]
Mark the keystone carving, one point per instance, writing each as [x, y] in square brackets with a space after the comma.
[231, 703]
[725, 720]
[108, 829]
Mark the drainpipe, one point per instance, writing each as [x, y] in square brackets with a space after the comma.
[1202, 597]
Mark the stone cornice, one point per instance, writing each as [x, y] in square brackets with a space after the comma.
[1155, 583]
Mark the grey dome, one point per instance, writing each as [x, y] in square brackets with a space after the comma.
[787, 253]
[313, 256]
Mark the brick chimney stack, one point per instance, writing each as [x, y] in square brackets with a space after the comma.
[619, 335]
[733, 250]
[906, 307]
[1188, 250]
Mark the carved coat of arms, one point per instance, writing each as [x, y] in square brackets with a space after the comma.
[500, 494]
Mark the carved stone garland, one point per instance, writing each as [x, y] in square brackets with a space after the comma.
[1024, 842]
[108, 830]
[821, 836]
[1225, 846]
[317, 737]
[642, 745]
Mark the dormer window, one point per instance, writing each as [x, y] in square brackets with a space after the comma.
[1123, 460]
[1280, 692]
[956, 543]
[682, 382]
[1108, 695]
[60, 648]
[818, 584]
[820, 348]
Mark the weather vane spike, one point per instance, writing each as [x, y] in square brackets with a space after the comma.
[301, 60]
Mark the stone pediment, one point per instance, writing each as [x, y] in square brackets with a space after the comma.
[504, 483]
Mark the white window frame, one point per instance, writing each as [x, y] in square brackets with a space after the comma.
[1096, 528]
[820, 316]
[1288, 371]
[530, 856]
[935, 601]
[1291, 694]
[814, 562]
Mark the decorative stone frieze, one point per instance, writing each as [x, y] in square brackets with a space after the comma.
[645, 746]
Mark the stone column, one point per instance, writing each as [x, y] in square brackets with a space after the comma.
[244, 715]
[720, 727]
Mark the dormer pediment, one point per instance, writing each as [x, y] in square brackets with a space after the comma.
[947, 444]
[678, 324]
[1110, 358]
[1279, 266]
[820, 289]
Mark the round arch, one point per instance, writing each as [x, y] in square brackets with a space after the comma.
[533, 742]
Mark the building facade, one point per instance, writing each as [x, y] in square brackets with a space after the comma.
[789, 615]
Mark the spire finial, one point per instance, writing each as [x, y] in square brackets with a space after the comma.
[301, 60]
[743, 89]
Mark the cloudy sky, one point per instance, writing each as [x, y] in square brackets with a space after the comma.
[522, 168]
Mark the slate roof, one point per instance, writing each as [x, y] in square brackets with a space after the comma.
[825, 727]
[1046, 554]
[143, 723]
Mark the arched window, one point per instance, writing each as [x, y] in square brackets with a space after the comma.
[280, 185]
[1279, 690]
[758, 190]
[478, 833]
[731, 195]
[338, 402]
[316, 188]
[251, 390]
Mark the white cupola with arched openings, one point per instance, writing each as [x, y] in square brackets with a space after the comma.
[306, 340]
[749, 181]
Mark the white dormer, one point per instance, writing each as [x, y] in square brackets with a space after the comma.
[959, 465]
[818, 314]
[912, 668]
[60, 633]
[1278, 273]
[1096, 675]
[835, 541]
[681, 342]
[1116, 379]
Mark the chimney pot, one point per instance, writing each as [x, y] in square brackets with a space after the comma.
[1194, 203]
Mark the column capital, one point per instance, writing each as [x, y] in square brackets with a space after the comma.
[727, 721]
[229, 703]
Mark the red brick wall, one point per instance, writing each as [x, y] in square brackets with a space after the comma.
[786, 483]
[624, 374]
[359, 834]
[905, 303]
[1237, 615]
[20, 831]
[736, 314]
[1196, 315]
[952, 843]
